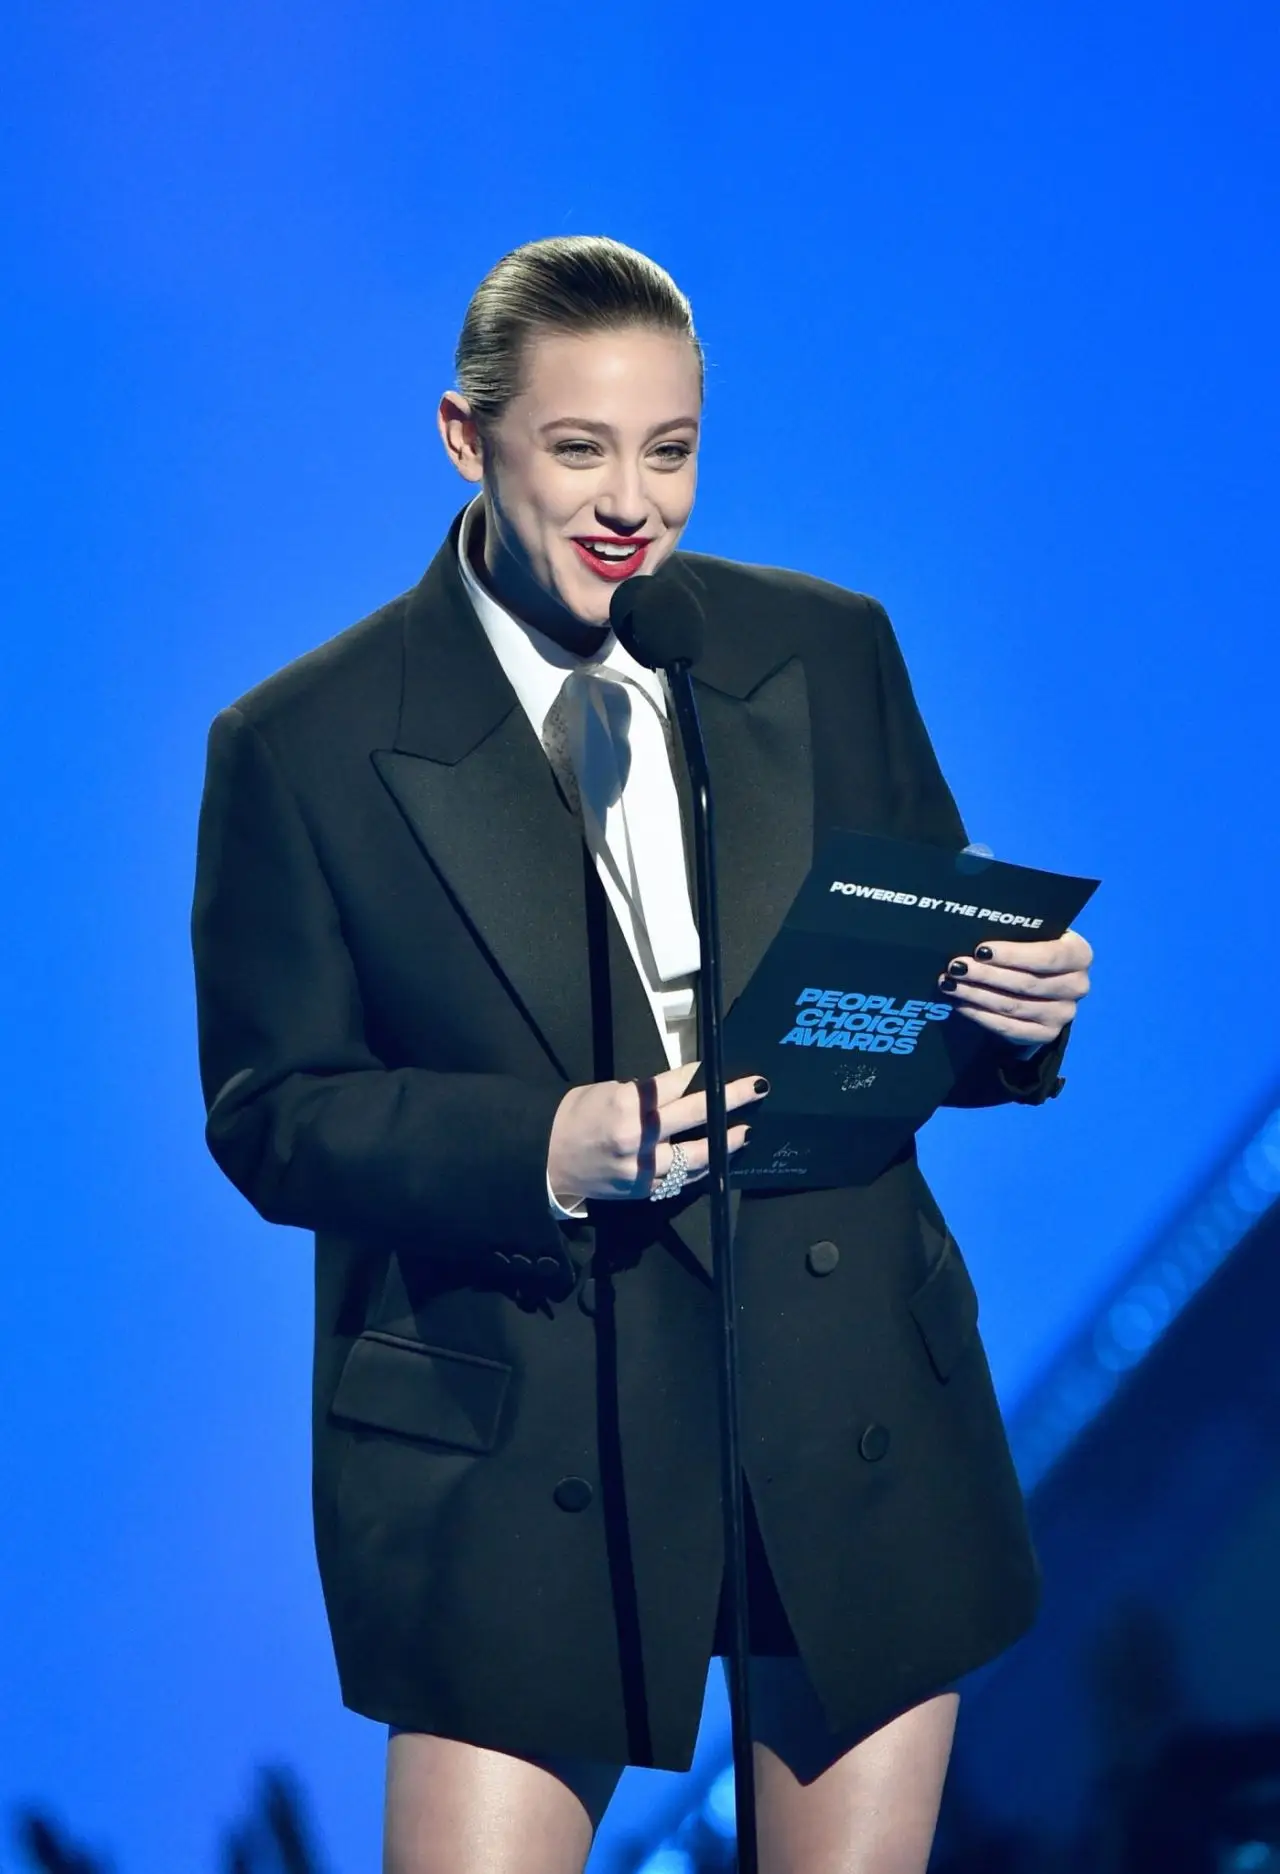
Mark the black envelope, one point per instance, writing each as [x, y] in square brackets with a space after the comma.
[844, 1013]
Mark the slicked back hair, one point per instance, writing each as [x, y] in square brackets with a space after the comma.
[573, 283]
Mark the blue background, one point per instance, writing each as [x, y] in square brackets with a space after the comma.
[990, 300]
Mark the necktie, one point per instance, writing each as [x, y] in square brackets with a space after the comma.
[600, 723]
[555, 741]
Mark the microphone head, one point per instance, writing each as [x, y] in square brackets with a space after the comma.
[658, 617]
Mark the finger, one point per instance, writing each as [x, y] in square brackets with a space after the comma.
[1003, 1002]
[1055, 956]
[653, 1092]
[1030, 1034]
[1037, 959]
[698, 1154]
[1017, 1021]
[1017, 982]
[691, 1108]
[672, 1081]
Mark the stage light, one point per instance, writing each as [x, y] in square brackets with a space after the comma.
[669, 1861]
[718, 1804]
[1250, 1857]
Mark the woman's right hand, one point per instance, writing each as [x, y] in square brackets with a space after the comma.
[609, 1138]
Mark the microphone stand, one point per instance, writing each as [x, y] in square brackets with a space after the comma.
[710, 1025]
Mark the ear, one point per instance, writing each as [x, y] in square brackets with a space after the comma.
[460, 436]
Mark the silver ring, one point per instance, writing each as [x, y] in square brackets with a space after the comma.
[673, 1179]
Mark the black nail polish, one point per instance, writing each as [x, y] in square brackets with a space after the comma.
[760, 1085]
[983, 953]
[947, 984]
[958, 968]
[746, 1135]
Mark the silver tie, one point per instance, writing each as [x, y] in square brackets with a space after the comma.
[555, 740]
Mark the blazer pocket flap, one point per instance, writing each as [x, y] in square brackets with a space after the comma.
[398, 1385]
[945, 1307]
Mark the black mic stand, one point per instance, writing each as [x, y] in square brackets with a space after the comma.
[712, 1051]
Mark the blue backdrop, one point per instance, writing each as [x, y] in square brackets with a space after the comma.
[989, 296]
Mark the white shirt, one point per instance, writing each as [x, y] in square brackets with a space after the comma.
[536, 667]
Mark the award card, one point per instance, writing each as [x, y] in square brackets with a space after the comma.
[844, 1013]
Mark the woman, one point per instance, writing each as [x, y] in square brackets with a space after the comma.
[445, 967]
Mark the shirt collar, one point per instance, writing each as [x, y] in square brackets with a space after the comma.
[512, 637]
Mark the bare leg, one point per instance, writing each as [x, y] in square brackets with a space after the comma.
[827, 1806]
[454, 1808]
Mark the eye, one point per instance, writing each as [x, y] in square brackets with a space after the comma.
[673, 454]
[576, 451]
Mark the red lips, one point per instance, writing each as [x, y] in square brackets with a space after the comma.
[612, 570]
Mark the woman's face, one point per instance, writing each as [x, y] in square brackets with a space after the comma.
[590, 472]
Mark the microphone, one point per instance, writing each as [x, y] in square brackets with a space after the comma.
[658, 618]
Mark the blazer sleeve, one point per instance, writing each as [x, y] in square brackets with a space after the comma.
[302, 1117]
[924, 809]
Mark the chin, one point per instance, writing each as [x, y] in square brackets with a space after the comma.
[597, 614]
[589, 608]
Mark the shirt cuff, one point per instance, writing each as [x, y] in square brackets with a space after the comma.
[558, 1210]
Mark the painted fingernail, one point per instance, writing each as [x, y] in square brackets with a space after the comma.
[746, 1135]
[983, 953]
[959, 967]
[947, 984]
[760, 1084]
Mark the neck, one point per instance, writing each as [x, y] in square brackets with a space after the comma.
[525, 598]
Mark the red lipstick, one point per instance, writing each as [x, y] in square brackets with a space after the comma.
[614, 566]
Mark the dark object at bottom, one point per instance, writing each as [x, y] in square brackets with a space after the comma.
[769, 1628]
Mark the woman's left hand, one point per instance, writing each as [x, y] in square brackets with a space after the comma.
[1024, 992]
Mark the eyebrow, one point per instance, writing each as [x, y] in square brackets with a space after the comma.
[606, 429]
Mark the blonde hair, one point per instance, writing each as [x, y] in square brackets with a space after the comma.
[571, 283]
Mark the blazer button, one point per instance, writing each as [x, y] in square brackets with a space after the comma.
[547, 1266]
[587, 1296]
[822, 1258]
[573, 1493]
[874, 1442]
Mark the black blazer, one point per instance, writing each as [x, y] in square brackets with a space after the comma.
[403, 958]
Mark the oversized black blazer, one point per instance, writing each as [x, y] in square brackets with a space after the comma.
[403, 958]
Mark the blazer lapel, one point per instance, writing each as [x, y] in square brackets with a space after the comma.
[755, 722]
[762, 777]
[478, 793]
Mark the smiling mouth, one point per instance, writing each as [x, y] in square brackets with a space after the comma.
[608, 557]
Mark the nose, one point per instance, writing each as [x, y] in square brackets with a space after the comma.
[621, 505]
